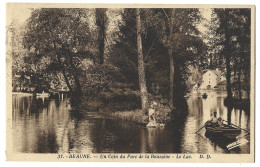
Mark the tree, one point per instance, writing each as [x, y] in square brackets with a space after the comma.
[101, 22]
[243, 34]
[187, 47]
[184, 47]
[124, 50]
[16, 51]
[141, 71]
[171, 57]
[233, 32]
[63, 37]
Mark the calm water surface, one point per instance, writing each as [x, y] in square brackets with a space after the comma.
[45, 125]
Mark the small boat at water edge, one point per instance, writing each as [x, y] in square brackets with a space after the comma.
[204, 96]
[43, 94]
[228, 131]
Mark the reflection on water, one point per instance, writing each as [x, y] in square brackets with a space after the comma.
[51, 126]
[201, 110]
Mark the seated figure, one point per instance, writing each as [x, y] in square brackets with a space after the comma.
[216, 121]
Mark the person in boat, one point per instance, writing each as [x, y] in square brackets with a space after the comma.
[214, 118]
[216, 121]
[151, 113]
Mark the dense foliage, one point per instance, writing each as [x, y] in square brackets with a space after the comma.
[92, 54]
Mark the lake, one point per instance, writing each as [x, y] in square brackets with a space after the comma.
[43, 125]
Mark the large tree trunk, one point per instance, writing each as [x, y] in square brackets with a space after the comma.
[239, 84]
[101, 24]
[78, 86]
[171, 79]
[170, 52]
[227, 55]
[229, 92]
[141, 71]
[229, 114]
[236, 79]
[63, 69]
[67, 80]
[78, 91]
[227, 59]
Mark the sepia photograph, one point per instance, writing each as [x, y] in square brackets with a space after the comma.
[118, 82]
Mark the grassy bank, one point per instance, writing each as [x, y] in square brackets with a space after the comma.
[130, 116]
[125, 104]
[163, 114]
[136, 116]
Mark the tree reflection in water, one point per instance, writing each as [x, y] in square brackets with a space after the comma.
[52, 126]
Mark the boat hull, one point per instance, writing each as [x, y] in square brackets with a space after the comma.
[227, 131]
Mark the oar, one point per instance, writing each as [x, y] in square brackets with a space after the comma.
[238, 127]
[201, 128]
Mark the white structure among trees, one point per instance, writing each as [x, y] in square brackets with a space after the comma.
[210, 79]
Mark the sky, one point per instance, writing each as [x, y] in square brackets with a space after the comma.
[20, 13]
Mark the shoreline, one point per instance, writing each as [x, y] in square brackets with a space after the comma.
[136, 116]
[128, 116]
[22, 93]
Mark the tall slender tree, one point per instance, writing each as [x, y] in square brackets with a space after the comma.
[101, 23]
[171, 56]
[155, 46]
[234, 33]
[141, 71]
[183, 44]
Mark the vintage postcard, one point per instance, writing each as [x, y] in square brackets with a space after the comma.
[142, 83]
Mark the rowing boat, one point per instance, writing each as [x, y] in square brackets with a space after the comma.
[43, 94]
[205, 95]
[228, 131]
